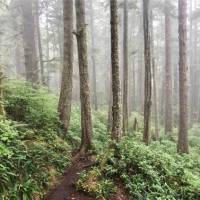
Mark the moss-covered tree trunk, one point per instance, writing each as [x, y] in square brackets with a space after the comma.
[86, 119]
[148, 87]
[183, 146]
[116, 107]
[64, 107]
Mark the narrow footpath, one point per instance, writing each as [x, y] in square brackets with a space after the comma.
[66, 190]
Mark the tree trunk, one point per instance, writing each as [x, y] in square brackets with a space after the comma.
[47, 75]
[140, 78]
[116, 108]
[39, 44]
[125, 69]
[109, 127]
[195, 72]
[191, 64]
[86, 119]
[94, 81]
[157, 136]
[147, 55]
[40, 51]
[29, 42]
[2, 111]
[183, 146]
[168, 72]
[20, 71]
[154, 78]
[132, 103]
[64, 107]
[110, 103]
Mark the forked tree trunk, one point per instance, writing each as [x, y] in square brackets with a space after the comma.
[29, 42]
[64, 106]
[148, 88]
[86, 119]
[168, 72]
[125, 69]
[116, 108]
[183, 146]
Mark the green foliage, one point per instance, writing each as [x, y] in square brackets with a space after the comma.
[93, 183]
[194, 136]
[34, 106]
[26, 164]
[101, 138]
[153, 173]
[139, 117]
[31, 152]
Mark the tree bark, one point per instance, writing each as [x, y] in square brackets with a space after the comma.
[132, 91]
[157, 135]
[125, 69]
[110, 103]
[191, 64]
[168, 72]
[29, 42]
[40, 50]
[2, 110]
[64, 107]
[47, 75]
[94, 77]
[148, 88]
[86, 119]
[116, 108]
[183, 146]
[154, 78]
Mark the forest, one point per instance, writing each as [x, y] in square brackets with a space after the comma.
[99, 99]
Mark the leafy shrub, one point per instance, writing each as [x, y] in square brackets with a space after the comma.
[194, 136]
[34, 106]
[139, 117]
[31, 152]
[27, 160]
[101, 138]
[152, 173]
[92, 183]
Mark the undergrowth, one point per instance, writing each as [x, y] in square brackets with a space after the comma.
[32, 155]
[154, 172]
[95, 184]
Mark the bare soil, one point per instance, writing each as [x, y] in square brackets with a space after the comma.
[66, 190]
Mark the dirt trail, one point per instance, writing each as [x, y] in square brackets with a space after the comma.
[66, 190]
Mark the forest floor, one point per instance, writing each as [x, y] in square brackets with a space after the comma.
[66, 190]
